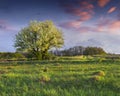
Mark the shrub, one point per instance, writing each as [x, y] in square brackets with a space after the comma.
[44, 79]
[99, 73]
[97, 78]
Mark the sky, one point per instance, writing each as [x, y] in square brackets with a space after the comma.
[83, 22]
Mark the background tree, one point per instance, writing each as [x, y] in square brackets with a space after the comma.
[94, 51]
[39, 38]
[73, 51]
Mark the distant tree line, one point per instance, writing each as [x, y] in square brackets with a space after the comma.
[11, 56]
[80, 50]
[74, 51]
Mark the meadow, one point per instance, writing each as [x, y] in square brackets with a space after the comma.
[60, 78]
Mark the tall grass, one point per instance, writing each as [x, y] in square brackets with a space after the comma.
[62, 78]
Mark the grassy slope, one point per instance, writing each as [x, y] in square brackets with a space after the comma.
[66, 79]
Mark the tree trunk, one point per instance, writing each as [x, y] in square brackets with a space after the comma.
[37, 55]
[44, 54]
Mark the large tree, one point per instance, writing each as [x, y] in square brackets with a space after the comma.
[39, 38]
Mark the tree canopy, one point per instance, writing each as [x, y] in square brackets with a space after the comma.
[39, 38]
[94, 51]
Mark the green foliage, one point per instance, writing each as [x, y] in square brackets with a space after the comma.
[98, 76]
[94, 51]
[44, 78]
[100, 73]
[39, 38]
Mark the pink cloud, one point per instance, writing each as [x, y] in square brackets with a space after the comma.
[112, 9]
[71, 24]
[109, 26]
[84, 16]
[84, 11]
[102, 3]
[114, 26]
[86, 5]
[4, 25]
[105, 25]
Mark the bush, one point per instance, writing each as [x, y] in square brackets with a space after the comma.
[97, 78]
[44, 79]
[100, 73]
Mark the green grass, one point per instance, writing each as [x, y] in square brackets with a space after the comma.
[59, 78]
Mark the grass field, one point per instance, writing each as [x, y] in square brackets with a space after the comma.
[60, 78]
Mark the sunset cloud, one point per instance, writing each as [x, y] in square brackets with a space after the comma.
[104, 26]
[84, 10]
[71, 24]
[4, 25]
[84, 16]
[112, 9]
[102, 3]
[114, 26]
[108, 26]
[86, 5]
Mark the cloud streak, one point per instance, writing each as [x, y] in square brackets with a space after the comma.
[103, 26]
[71, 24]
[109, 26]
[112, 9]
[83, 12]
[103, 3]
